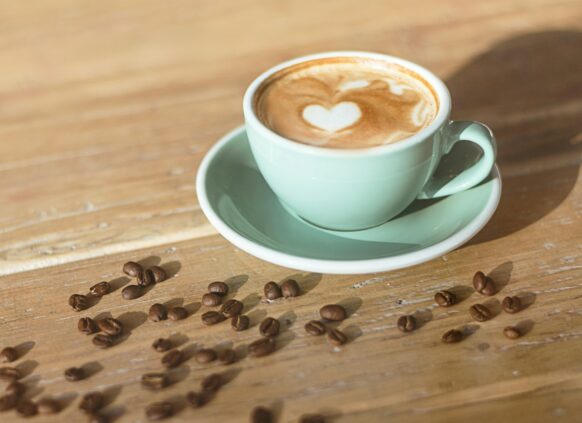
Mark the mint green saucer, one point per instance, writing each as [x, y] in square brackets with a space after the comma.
[237, 201]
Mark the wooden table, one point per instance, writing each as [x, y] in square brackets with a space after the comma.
[107, 109]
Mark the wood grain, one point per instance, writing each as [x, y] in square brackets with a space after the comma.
[106, 111]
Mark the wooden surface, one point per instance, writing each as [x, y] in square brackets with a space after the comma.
[106, 111]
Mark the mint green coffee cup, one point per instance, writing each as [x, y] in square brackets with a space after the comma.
[353, 189]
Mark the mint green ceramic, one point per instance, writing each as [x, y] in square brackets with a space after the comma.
[361, 188]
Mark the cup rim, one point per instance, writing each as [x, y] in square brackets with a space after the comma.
[442, 92]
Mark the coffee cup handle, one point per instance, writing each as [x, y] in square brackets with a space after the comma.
[474, 132]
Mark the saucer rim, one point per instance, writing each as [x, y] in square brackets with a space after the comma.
[341, 267]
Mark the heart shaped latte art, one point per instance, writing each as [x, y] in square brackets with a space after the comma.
[340, 116]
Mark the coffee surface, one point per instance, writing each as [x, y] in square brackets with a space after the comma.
[345, 103]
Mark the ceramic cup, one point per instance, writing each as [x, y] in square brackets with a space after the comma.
[352, 189]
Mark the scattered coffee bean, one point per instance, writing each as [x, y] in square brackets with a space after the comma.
[272, 291]
[131, 292]
[110, 326]
[312, 418]
[87, 326]
[73, 374]
[212, 318]
[227, 356]
[162, 345]
[315, 328]
[445, 298]
[480, 313]
[511, 304]
[406, 323]
[333, 312]
[212, 383]
[205, 355]
[218, 287]
[131, 269]
[92, 402]
[290, 288]
[159, 274]
[269, 327]
[159, 410]
[9, 374]
[337, 337]
[99, 418]
[261, 415]
[177, 313]
[146, 278]
[512, 332]
[231, 308]
[100, 289]
[157, 312]
[483, 284]
[15, 388]
[172, 359]
[211, 299]
[8, 402]
[103, 341]
[26, 408]
[262, 347]
[48, 406]
[195, 399]
[452, 336]
[78, 302]
[154, 381]
[240, 322]
[8, 355]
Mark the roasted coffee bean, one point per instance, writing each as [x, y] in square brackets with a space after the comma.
[445, 298]
[99, 418]
[78, 302]
[480, 313]
[483, 284]
[315, 328]
[73, 374]
[312, 418]
[205, 355]
[227, 356]
[157, 312]
[272, 291]
[131, 292]
[406, 323]
[110, 326]
[219, 288]
[87, 326]
[261, 415]
[195, 399]
[177, 313]
[159, 410]
[162, 345]
[26, 408]
[333, 312]
[211, 299]
[154, 381]
[269, 327]
[15, 388]
[231, 308]
[452, 336]
[511, 304]
[103, 341]
[172, 359]
[92, 402]
[240, 322]
[512, 332]
[290, 288]
[100, 289]
[48, 406]
[212, 383]
[9, 374]
[131, 269]
[159, 274]
[8, 402]
[212, 318]
[146, 278]
[262, 347]
[8, 355]
[337, 337]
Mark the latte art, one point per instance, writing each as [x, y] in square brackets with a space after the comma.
[345, 103]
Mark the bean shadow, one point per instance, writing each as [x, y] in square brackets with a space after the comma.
[23, 348]
[26, 367]
[306, 281]
[65, 399]
[461, 292]
[119, 283]
[533, 117]
[241, 351]
[351, 304]
[113, 412]
[276, 408]
[130, 320]
[256, 317]
[174, 302]
[330, 414]
[172, 268]
[178, 339]
[286, 320]
[284, 339]
[352, 332]
[192, 307]
[527, 299]
[525, 326]
[103, 315]
[177, 374]
[235, 283]
[494, 306]
[422, 316]
[469, 330]
[91, 369]
[111, 393]
[150, 261]
[250, 302]
[501, 275]
[32, 388]
[190, 350]
[178, 402]
[92, 301]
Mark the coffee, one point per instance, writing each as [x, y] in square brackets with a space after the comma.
[345, 102]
